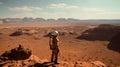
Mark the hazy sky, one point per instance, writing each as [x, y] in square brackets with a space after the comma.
[81, 9]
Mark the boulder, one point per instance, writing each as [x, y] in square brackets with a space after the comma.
[19, 53]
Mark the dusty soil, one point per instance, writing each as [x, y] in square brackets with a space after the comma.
[72, 48]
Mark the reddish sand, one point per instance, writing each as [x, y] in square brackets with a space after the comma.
[71, 48]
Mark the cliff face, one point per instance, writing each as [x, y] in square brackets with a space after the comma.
[115, 43]
[103, 32]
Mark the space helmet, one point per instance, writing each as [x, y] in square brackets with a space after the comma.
[55, 33]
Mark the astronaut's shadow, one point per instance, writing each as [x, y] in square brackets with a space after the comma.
[45, 64]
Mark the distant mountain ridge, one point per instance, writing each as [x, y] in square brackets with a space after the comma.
[30, 19]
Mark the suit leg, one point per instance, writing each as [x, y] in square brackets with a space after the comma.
[52, 56]
[56, 56]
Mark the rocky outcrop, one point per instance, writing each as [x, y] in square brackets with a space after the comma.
[115, 43]
[17, 33]
[103, 32]
[19, 53]
[23, 31]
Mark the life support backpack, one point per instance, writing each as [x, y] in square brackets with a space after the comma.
[52, 47]
[53, 43]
